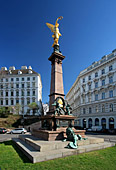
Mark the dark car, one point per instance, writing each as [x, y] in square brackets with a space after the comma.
[3, 130]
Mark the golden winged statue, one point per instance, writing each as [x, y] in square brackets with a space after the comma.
[55, 30]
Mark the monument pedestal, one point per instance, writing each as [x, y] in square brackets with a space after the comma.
[54, 127]
[60, 134]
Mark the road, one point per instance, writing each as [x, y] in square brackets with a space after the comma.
[107, 137]
[6, 137]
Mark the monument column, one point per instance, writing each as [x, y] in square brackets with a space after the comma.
[56, 89]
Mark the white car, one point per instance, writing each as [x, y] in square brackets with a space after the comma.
[18, 130]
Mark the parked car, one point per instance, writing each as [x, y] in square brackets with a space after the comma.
[95, 128]
[3, 130]
[18, 130]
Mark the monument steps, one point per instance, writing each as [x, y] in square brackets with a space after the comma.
[38, 150]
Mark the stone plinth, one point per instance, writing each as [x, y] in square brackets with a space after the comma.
[53, 122]
[60, 134]
[56, 88]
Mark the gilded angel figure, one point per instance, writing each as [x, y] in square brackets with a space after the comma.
[55, 30]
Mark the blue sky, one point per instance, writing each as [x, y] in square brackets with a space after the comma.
[88, 32]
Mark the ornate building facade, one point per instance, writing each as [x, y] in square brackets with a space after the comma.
[22, 86]
[93, 94]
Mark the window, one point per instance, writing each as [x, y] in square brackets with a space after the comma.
[89, 86]
[33, 99]
[1, 102]
[1, 93]
[11, 93]
[96, 109]
[28, 101]
[1, 86]
[28, 78]
[17, 85]
[111, 79]
[17, 79]
[83, 99]
[17, 93]
[96, 97]
[12, 102]
[17, 101]
[28, 85]
[6, 101]
[110, 68]
[83, 80]
[22, 101]
[33, 78]
[33, 84]
[33, 92]
[11, 85]
[89, 78]
[6, 80]
[103, 95]
[84, 111]
[22, 93]
[6, 93]
[96, 84]
[90, 110]
[83, 88]
[103, 71]
[89, 98]
[12, 79]
[111, 93]
[96, 122]
[96, 74]
[103, 108]
[103, 82]
[6, 86]
[1, 80]
[111, 108]
[28, 93]
[23, 85]
[23, 79]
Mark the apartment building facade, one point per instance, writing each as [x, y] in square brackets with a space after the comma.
[93, 94]
[20, 86]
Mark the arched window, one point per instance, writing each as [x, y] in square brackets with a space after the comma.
[96, 122]
[84, 123]
[90, 123]
[103, 123]
[111, 123]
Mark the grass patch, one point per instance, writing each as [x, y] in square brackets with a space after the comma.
[11, 158]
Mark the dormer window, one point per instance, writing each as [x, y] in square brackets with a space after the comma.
[10, 72]
[19, 72]
[30, 72]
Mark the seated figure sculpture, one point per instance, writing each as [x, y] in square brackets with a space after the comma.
[72, 137]
[62, 107]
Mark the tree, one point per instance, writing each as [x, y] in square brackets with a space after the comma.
[4, 111]
[34, 107]
[17, 108]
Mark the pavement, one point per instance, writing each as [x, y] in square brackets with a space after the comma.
[107, 137]
[7, 137]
